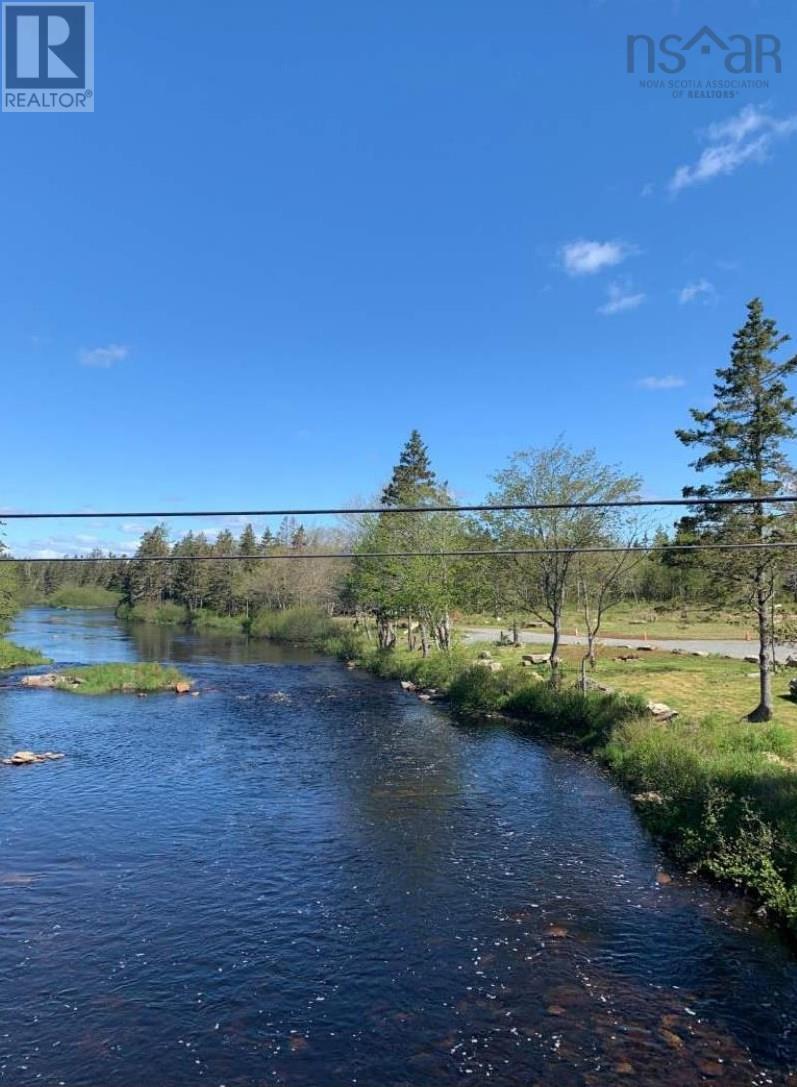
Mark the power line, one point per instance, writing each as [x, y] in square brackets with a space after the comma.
[466, 554]
[513, 507]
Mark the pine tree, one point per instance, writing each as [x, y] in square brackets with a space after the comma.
[147, 581]
[413, 478]
[248, 549]
[743, 434]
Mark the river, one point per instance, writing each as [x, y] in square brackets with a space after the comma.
[305, 876]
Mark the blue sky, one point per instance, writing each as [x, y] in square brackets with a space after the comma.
[293, 230]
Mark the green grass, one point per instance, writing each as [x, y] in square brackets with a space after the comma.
[630, 621]
[167, 614]
[301, 626]
[213, 623]
[128, 678]
[14, 656]
[83, 596]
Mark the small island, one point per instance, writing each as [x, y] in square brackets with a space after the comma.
[142, 678]
[14, 656]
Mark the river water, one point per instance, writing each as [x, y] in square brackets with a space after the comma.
[305, 876]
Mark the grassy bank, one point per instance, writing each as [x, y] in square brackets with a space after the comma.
[121, 678]
[175, 615]
[14, 656]
[720, 793]
[83, 596]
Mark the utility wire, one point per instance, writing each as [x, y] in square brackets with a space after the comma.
[467, 554]
[631, 503]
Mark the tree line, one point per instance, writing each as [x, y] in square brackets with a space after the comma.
[414, 591]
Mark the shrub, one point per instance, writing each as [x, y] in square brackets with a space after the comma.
[302, 625]
[83, 596]
[166, 614]
[477, 691]
[585, 719]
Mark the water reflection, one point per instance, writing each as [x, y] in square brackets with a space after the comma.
[306, 876]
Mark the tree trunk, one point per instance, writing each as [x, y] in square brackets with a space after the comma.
[554, 661]
[763, 711]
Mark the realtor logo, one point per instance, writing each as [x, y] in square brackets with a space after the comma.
[48, 58]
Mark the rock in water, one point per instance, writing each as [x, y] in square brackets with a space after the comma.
[43, 682]
[182, 688]
[30, 758]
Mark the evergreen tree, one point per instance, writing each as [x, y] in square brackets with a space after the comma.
[248, 549]
[147, 581]
[413, 477]
[743, 435]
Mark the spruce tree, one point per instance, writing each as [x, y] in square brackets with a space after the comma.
[743, 435]
[413, 477]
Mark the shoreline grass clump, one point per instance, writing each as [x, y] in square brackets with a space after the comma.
[15, 656]
[299, 626]
[83, 596]
[141, 678]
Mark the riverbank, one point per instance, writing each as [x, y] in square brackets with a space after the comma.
[15, 656]
[718, 792]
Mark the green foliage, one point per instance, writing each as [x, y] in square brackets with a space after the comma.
[14, 656]
[345, 643]
[129, 678]
[83, 596]
[477, 691]
[9, 592]
[303, 625]
[167, 614]
[210, 621]
[585, 720]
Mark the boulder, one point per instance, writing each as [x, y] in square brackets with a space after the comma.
[661, 711]
[182, 688]
[493, 666]
[751, 659]
[485, 656]
[791, 662]
[535, 658]
[408, 686]
[645, 648]
[41, 682]
[700, 653]
[30, 758]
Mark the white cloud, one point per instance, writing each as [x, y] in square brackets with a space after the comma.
[748, 136]
[657, 383]
[63, 547]
[581, 257]
[621, 299]
[103, 357]
[701, 289]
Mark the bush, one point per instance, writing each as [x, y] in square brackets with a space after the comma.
[303, 625]
[166, 614]
[477, 691]
[588, 720]
[83, 596]
[346, 643]
[219, 624]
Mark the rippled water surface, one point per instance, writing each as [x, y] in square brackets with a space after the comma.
[305, 876]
